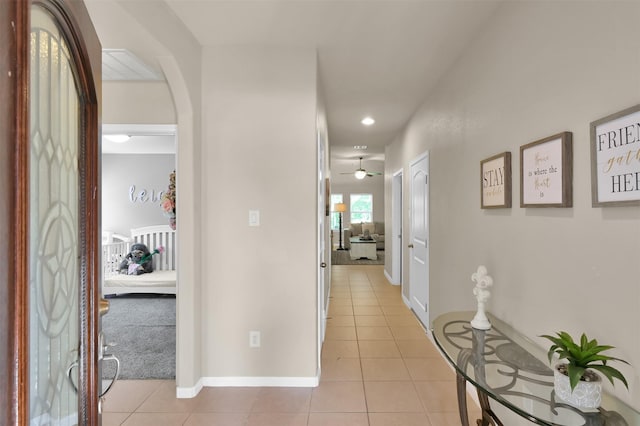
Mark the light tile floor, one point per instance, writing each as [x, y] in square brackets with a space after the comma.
[378, 369]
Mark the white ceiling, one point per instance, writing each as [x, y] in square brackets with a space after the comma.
[121, 64]
[376, 57]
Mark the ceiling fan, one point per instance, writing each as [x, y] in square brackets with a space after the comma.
[362, 173]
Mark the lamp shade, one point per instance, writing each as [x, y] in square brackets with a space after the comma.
[340, 207]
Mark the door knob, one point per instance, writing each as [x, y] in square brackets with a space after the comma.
[323, 265]
[410, 245]
[103, 306]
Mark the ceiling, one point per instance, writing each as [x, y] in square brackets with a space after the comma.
[377, 58]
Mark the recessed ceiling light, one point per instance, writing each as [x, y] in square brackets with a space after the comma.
[118, 138]
[368, 121]
[360, 147]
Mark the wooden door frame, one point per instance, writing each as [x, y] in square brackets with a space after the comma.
[14, 136]
[397, 228]
[75, 23]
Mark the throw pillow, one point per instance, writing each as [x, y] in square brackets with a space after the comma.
[368, 227]
[356, 229]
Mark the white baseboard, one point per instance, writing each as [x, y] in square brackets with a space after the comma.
[290, 382]
[406, 301]
[212, 382]
[189, 392]
[391, 281]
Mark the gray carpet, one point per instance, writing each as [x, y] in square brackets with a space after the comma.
[341, 257]
[143, 327]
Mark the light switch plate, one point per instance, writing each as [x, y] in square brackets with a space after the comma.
[254, 217]
[254, 339]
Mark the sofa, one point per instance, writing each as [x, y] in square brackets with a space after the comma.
[376, 230]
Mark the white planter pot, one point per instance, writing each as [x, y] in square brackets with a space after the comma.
[585, 396]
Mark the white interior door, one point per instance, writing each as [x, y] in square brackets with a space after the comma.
[419, 238]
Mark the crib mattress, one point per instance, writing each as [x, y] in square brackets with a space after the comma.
[154, 282]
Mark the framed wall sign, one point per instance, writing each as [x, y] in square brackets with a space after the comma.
[615, 159]
[546, 172]
[495, 182]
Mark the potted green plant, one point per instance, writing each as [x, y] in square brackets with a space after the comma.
[576, 382]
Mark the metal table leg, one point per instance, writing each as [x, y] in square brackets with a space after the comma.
[489, 418]
[461, 387]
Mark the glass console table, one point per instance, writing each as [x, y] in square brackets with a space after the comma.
[509, 368]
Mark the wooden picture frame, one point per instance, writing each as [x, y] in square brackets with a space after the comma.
[495, 182]
[546, 172]
[615, 159]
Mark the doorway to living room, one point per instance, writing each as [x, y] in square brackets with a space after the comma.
[362, 241]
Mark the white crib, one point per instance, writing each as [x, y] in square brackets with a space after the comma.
[163, 278]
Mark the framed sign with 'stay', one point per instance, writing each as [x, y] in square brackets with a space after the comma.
[495, 182]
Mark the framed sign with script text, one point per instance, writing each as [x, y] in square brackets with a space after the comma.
[546, 172]
[495, 182]
[615, 159]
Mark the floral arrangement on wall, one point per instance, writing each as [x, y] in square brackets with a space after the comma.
[168, 202]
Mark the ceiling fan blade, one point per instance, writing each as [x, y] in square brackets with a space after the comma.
[373, 174]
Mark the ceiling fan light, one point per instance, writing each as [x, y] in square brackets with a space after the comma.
[360, 174]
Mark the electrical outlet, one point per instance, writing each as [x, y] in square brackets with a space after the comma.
[254, 339]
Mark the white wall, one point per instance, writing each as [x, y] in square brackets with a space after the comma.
[123, 209]
[259, 153]
[258, 107]
[137, 103]
[537, 69]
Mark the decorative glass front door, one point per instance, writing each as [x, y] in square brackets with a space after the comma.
[54, 186]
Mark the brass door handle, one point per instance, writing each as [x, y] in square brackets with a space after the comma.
[103, 307]
[410, 246]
